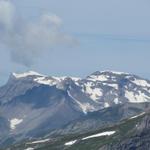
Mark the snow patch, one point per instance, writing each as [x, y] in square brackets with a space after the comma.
[94, 93]
[53, 80]
[75, 78]
[14, 122]
[40, 141]
[107, 133]
[98, 78]
[106, 105]
[64, 77]
[29, 73]
[136, 98]
[143, 83]
[43, 80]
[116, 101]
[115, 86]
[70, 143]
[30, 148]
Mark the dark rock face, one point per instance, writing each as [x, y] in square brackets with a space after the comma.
[43, 108]
[144, 125]
[16, 87]
[140, 140]
[4, 127]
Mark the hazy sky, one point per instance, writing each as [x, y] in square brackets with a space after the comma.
[74, 37]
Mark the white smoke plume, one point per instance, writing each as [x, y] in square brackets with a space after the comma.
[26, 41]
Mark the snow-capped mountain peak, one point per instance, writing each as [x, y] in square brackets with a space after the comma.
[106, 75]
[114, 72]
[98, 90]
[26, 74]
[40, 78]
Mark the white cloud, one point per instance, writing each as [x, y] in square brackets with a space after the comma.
[27, 40]
[51, 19]
[7, 11]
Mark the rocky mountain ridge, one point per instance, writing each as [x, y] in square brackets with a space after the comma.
[32, 104]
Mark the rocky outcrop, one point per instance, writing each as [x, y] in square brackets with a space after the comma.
[139, 141]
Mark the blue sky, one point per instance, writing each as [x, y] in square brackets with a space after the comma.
[101, 35]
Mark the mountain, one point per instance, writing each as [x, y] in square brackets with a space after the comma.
[34, 105]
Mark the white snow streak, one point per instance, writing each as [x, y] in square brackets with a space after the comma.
[70, 143]
[30, 148]
[138, 115]
[85, 107]
[40, 141]
[107, 133]
[23, 75]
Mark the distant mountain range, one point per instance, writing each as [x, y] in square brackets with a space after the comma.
[34, 106]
